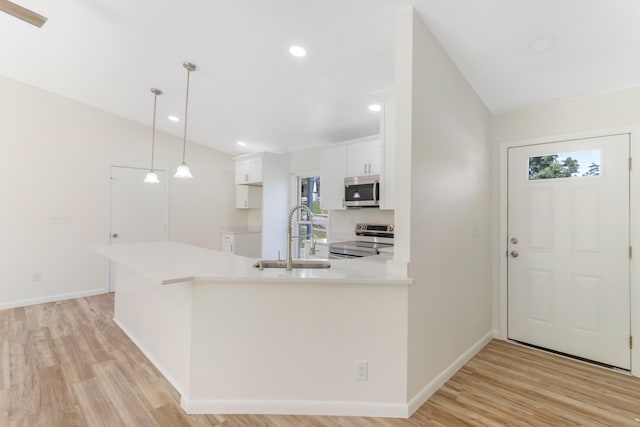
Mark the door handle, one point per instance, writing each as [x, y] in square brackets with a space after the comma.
[114, 235]
[514, 240]
[514, 254]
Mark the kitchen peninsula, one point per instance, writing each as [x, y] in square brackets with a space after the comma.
[235, 339]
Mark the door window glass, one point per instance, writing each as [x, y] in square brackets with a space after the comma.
[576, 164]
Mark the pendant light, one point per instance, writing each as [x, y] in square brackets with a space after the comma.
[152, 176]
[183, 170]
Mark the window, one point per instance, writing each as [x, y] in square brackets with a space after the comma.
[565, 165]
[308, 194]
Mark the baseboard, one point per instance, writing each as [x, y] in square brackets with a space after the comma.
[52, 298]
[179, 388]
[295, 407]
[423, 395]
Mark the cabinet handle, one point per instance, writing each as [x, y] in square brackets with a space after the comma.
[365, 168]
[231, 248]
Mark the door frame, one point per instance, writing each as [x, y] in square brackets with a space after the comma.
[500, 238]
[107, 234]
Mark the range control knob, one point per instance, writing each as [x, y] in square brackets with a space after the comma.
[364, 226]
[391, 228]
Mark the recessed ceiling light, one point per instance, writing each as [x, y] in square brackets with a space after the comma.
[542, 44]
[173, 118]
[241, 143]
[375, 107]
[297, 51]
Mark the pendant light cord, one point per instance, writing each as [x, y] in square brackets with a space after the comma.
[153, 134]
[189, 68]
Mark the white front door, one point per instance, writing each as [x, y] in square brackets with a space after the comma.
[568, 249]
[139, 211]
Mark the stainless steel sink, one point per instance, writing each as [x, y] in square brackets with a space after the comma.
[297, 263]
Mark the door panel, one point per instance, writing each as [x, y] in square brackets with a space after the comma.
[568, 268]
[139, 211]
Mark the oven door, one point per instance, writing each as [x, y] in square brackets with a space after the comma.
[343, 256]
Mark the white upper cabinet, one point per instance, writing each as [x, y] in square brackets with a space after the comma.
[363, 158]
[248, 197]
[249, 169]
[333, 171]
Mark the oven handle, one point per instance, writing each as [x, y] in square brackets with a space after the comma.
[333, 255]
[375, 191]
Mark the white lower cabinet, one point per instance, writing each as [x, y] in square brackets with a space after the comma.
[247, 244]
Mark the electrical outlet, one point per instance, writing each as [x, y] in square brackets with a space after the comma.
[362, 370]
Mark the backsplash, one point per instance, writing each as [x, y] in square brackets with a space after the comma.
[342, 222]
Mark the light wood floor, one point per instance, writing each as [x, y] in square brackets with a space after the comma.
[67, 364]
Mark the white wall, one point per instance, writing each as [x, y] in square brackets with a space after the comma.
[57, 156]
[275, 205]
[570, 115]
[305, 162]
[448, 205]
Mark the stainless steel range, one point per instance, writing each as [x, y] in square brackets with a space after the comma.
[370, 238]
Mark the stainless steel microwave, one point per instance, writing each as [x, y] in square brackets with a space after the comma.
[362, 191]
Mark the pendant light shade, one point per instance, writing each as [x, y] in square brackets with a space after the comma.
[183, 170]
[152, 176]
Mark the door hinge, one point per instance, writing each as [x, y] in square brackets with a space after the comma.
[630, 163]
[630, 342]
[630, 252]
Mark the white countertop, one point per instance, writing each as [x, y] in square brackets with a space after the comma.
[172, 262]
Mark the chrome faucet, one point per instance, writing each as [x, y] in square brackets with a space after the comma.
[290, 232]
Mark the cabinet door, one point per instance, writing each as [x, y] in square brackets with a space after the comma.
[373, 162]
[248, 197]
[364, 158]
[227, 243]
[333, 170]
[242, 171]
[227, 247]
[242, 196]
[255, 170]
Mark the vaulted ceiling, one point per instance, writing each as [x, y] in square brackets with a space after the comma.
[109, 53]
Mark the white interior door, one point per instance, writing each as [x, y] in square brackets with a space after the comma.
[568, 268]
[139, 211]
